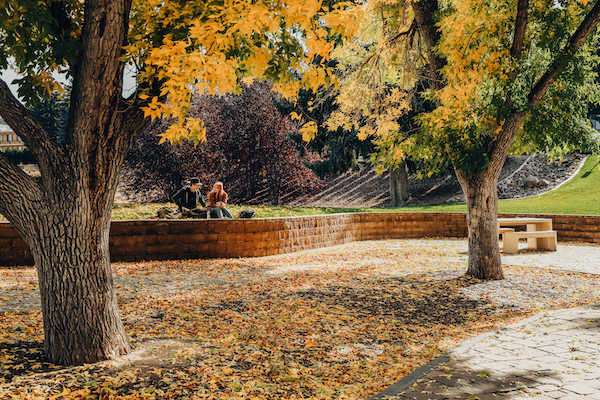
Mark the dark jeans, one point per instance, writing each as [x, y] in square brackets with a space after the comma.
[219, 212]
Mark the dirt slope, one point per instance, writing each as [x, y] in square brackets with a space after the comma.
[369, 190]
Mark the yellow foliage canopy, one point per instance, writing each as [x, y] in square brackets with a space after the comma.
[208, 46]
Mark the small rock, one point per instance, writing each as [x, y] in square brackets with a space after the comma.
[531, 181]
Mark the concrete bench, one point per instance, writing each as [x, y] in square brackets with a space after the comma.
[502, 231]
[544, 240]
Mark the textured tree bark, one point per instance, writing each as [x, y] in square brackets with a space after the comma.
[399, 186]
[481, 195]
[65, 214]
[425, 16]
[71, 252]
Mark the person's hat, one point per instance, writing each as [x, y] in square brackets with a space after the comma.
[195, 181]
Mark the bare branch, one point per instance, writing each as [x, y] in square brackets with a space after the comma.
[425, 11]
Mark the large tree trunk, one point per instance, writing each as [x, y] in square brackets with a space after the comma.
[481, 195]
[69, 243]
[65, 219]
[65, 214]
[398, 186]
[480, 188]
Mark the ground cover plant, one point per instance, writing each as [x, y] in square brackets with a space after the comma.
[341, 322]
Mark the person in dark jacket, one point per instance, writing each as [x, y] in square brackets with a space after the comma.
[188, 198]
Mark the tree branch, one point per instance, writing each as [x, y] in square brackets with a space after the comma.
[25, 125]
[577, 40]
[520, 26]
[14, 182]
[425, 11]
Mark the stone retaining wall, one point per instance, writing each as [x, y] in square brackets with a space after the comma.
[183, 239]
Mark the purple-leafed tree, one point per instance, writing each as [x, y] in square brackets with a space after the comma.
[248, 148]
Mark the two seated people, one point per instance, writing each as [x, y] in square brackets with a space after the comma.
[189, 198]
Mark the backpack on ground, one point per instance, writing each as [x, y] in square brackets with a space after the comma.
[249, 213]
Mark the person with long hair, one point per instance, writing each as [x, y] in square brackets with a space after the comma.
[217, 200]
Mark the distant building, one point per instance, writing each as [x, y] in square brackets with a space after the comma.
[9, 139]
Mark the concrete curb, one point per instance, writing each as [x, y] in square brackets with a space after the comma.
[409, 379]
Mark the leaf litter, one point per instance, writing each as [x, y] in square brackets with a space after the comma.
[337, 323]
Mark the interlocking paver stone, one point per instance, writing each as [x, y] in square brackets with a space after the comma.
[553, 355]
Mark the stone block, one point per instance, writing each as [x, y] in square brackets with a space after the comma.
[218, 226]
[413, 224]
[198, 250]
[563, 235]
[158, 228]
[442, 217]
[257, 237]
[236, 225]
[218, 251]
[398, 232]
[180, 250]
[458, 231]
[16, 257]
[566, 227]
[591, 220]
[458, 217]
[223, 238]
[125, 253]
[257, 253]
[131, 241]
[128, 228]
[189, 226]
[277, 235]
[19, 244]
[7, 231]
[5, 245]
[189, 238]
[247, 246]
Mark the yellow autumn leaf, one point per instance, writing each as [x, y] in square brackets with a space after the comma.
[309, 131]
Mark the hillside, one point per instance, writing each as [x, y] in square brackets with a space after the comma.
[521, 176]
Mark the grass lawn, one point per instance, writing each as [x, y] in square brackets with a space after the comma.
[337, 323]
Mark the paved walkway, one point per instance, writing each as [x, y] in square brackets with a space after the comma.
[551, 356]
[554, 355]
